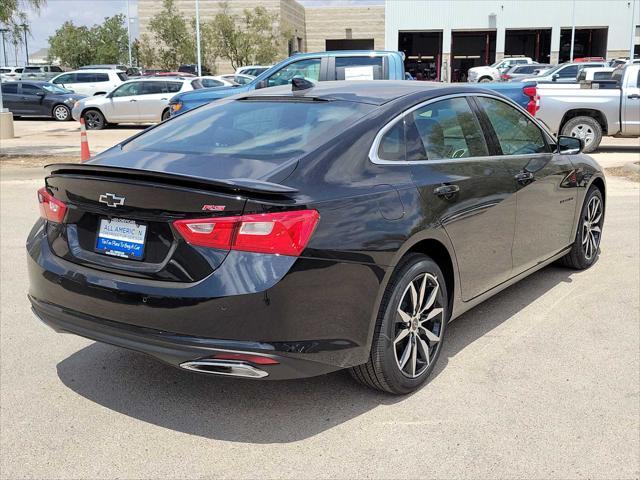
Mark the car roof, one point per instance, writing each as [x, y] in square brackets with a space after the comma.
[375, 92]
[95, 70]
[345, 53]
[161, 79]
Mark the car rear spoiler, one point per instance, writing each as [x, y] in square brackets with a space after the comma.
[239, 185]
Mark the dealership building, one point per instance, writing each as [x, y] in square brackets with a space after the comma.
[442, 39]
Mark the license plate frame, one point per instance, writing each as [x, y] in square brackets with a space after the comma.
[126, 241]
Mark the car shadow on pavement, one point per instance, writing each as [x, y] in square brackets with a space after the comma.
[264, 412]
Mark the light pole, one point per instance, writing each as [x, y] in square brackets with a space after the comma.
[129, 33]
[198, 38]
[26, 45]
[4, 51]
[633, 30]
[573, 30]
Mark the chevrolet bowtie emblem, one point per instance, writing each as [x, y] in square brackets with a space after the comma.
[111, 199]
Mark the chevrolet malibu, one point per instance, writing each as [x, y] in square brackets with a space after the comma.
[295, 231]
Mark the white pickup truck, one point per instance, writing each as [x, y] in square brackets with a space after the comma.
[591, 112]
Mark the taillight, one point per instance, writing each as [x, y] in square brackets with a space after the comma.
[281, 233]
[51, 208]
[505, 77]
[534, 100]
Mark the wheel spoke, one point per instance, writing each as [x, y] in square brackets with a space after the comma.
[403, 333]
[414, 297]
[406, 318]
[431, 315]
[424, 350]
[405, 355]
[596, 229]
[414, 356]
[423, 288]
[430, 335]
[432, 298]
[585, 234]
[597, 219]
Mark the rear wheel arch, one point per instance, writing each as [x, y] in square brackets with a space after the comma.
[439, 253]
[597, 115]
[598, 182]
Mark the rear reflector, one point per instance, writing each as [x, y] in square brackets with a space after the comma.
[51, 208]
[534, 100]
[281, 233]
[245, 357]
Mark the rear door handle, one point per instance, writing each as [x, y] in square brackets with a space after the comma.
[633, 95]
[446, 191]
[524, 177]
[133, 100]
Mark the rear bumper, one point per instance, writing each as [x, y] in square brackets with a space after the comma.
[171, 348]
[314, 314]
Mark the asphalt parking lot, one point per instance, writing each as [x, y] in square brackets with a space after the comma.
[542, 381]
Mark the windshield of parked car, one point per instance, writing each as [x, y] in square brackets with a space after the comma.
[254, 128]
[51, 88]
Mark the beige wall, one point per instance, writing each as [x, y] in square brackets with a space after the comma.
[330, 23]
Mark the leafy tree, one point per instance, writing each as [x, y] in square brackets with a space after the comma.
[110, 41]
[79, 45]
[12, 12]
[252, 38]
[173, 37]
[72, 45]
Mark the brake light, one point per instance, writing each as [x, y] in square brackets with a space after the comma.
[281, 233]
[534, 100]
[51, 208]
[505, 77]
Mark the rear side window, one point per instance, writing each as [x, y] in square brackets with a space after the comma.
[602, 76]
[392, 144]
[9, 88]
[122, 76]
[308, 69]
[526, 69]
[445, 130]
[4, 70]
[570, 71]
[516, 133]
[85, 77]
[358, 68]
[102, 77]
[32, 70]
[149, 88]
[56, 69]
[66, 78]
[28, 89]
[172, 87]
[260, 129]
[210, 82]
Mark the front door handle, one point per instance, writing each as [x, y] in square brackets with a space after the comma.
[446, 191]
[524, 177]
[633, 95]
[133, 100]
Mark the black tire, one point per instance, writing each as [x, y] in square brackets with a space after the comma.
[485, 80]
[383, 371]
[586, 128]
[165, 114]
[61, 113]
[94, 119]
[581, 257]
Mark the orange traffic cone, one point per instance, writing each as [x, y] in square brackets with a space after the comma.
[85, 154]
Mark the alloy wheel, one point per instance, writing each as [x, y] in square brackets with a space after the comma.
[591, 230]
[61, 113]
[418, 326]
[92, 119]
[583, 132]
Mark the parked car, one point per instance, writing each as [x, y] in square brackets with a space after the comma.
[40, 72]
[38, 99]
[135, 101]
[90, 82]
[590, 114]
[216, 81]
[491, 73]
[174, 74]
[521, 93]
[518, 72]
[8, 74]
[253, 70]
[621, 62]
[130, 71]
[319, 66]
[238, 78]
[284, 234]
[192, 68]
[589, 59]
[595, 73]
[565, 72]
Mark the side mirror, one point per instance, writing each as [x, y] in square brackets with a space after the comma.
[569, 145]
[262, 84]
[555, 77]
[41, 94]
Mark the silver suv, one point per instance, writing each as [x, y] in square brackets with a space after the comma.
[40, 72]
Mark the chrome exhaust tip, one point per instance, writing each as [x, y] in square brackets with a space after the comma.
[232, 368]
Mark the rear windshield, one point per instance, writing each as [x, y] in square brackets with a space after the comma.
[256, 129]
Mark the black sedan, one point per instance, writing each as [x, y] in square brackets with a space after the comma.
[281, 234]
[39, 99]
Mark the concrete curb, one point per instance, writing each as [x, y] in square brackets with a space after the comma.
[632, 167]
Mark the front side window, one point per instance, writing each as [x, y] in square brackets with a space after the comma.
[102, 77]
[443, 130]
[257, 128]
[308, 69]
[55, 69]
[570, 71]
[517, 134]
[32, 70]
[150, 88]
[28, 89]
[9, 88]
[122, 76]
[128, 89]
[358, 68]
[172, 87]
[85, 77]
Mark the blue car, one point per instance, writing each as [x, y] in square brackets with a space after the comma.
[317, 67]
